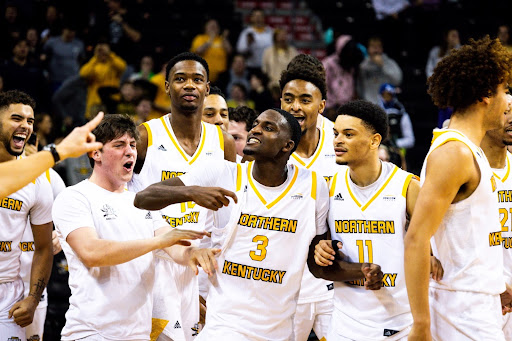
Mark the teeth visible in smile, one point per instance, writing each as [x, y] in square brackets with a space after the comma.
[252, 139]
[20, 136]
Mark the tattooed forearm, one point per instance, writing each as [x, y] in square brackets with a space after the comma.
[38, 288]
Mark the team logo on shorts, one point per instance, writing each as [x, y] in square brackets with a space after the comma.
[108, 212]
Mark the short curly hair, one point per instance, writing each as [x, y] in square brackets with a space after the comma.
[470, 73]
[306, 68]
[186, 56]
[15, 97]
[373, 116]
[243, 114]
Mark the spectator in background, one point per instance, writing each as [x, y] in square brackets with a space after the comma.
[215, 109]
[259, 92]
[240, 123]
[43, 128]
[401, 133]
[451, 41]
[19, 74]
[124, 31]
[34, 47]
[52, 23]
[143, 109]
[162, 102]
[119, 100]
[277, 57]
[146, 69]
[238, 97]
[238, 73]
[213, 47]
[103, 69]
[504, 36]
[254, 39]
[341, 69]
[64, 54]
[69, 102]
[376, 69]
[11, 27]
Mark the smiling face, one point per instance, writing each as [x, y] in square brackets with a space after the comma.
[16, 125]
[187, 86]
[215, 111]
[353, 141]
[304, 101]
[116, 159]
[269, 136]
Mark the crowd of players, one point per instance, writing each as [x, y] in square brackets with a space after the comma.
[306, 229]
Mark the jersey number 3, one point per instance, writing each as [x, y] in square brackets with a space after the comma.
[360, 247]
[262, 248]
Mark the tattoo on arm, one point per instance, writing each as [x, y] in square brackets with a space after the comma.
[38, 288]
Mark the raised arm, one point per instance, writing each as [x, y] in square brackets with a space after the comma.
[449, 168]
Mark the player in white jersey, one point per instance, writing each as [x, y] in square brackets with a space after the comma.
[170, 146]
[457, 203]
[370, 203]
[31, 203]
[303, 94]
[215, 110]
[34, 331]
[108, 243]
[494, 145]
[280, 209]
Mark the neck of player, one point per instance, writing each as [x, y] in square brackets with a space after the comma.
[308, 143]
[107, 182]
[186, 127]
[495, 153]
[269, 172]
[365, 173]
[5, 155]
[471, 123]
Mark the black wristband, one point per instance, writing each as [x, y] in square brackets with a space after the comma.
[52, 149]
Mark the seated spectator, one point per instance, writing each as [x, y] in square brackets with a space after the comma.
[240, 123]
[504, 36]
[124, 31]
[34, 46]
[238, 73]
[341, 70]
[118, 100]
[162, 102]
[215, 109]
[143, 109]
[238, 97]
[376, 69]
[64, 54]
[103, 69]
[51, 26]
[70, 101]
[43, 128]
[277, 57]
[400, 126]
[254, 39]
[259, 92]
[146, 69]
[11, 28]
[450, 42]
[19, 74]
[213, 47]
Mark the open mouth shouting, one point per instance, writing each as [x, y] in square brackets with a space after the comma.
[128, 166]
[19, 139]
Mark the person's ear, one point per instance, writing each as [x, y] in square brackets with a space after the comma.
[375, 141]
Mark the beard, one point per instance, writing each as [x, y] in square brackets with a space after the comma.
[342, 163]
[7, 145]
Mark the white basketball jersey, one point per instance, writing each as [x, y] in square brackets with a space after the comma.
[468, 240]
[373, 231]
[323, 162]
[166, 159]
[504, 185]
[256, 289]
[34, 200]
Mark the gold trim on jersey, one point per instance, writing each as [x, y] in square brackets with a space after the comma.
[48, 176]
[406, 185]
[315, 155]
[221, 138]
[436, 134]
[313, 185]
[333, 184]
[258, 194]
[238, 177]
[178, 147]
[150, 134]
[505, 177]
[375, 195]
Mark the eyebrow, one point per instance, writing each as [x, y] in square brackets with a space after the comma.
[301, 95]
[186, 74]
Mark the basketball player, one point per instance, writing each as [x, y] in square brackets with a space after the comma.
[303, 94]
[108, 243]
[370, 203]
[34, 331]
[171, 146]
[494, 145]
[457, 203]
[15, 174]
[280, 207]
[215, 110]
[34, 201]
